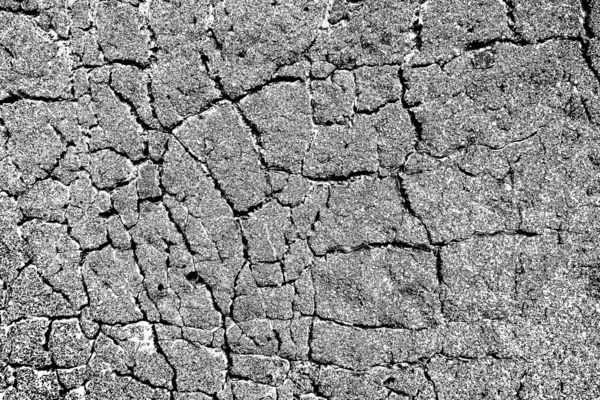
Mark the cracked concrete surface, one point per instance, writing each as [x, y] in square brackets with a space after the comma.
[299, 199]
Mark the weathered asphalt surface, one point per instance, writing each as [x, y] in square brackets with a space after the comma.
[299, 199]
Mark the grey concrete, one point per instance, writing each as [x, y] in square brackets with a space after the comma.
[299, 200]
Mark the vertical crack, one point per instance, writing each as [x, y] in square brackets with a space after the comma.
[510, 15]
[418, 127]
[586, 12]
[416, 28]
[161, 351]
[586, 39]
[431, 381]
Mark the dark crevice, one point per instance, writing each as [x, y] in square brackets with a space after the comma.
[132, 108]
[256, 134]
[377, 109]
[131, 375]
[375, 245]
[417, 28]
[585, 41]
[520, 42]
[405, 199]
[161, 351]
[343, 178]
[366, 327]
[587, 12]
[431, 382]
[20, 11]
[510, 15]
[132, 63]
[418, 127]
[272, 81]
[439, 267]
[16, 96]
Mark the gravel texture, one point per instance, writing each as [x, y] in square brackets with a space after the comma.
[299, 199]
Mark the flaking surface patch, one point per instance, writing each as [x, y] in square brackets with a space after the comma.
[299, 199]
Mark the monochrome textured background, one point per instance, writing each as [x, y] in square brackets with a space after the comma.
[299, 199]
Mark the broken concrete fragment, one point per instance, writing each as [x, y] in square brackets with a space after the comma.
[267, 274]
[125, 201]
[121, 34]
[297, 259]
[133, 84]
[362, 213]
[339, 151]
[253, 39]
[182, 88]
[462, 205]
[450, 28]
[337, 384]
[547, 20]
[373, 33]
[376, 288]
[248, 390]
[68, 346]
[265, 231]
[197, 368]
[46, 200]
[118, 234]
[281, 113]
[376, 86]
[506, 102]
[220, 138]
[148, 184]
[31, 63]
[333, 99]
[34, 144]
[28, 346]
[109, 169]
[349, 347]
[117, 129]
[261, 369]
[115, 270]
[57, 258]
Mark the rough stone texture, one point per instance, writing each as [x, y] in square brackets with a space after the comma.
[299, 200]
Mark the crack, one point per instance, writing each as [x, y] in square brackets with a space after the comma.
[520, 42]
[144, 288]
[366, 327]
[585, 41]
[313, 122]
[21, 11]
[510, 15]
[417, 28]
[161, 351]
[405, 199]
[255, 89]
[377, 109]
[409, 109]
[431, 381]
[520, 388]
[439, 273]
[586, 11]
[18, 95]
[8, 51]
[55, 290]
[132, 108]
[256, 136]
[478, 45]
[352, 176]
[208, 173]
[132, 377]
[396, 244]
